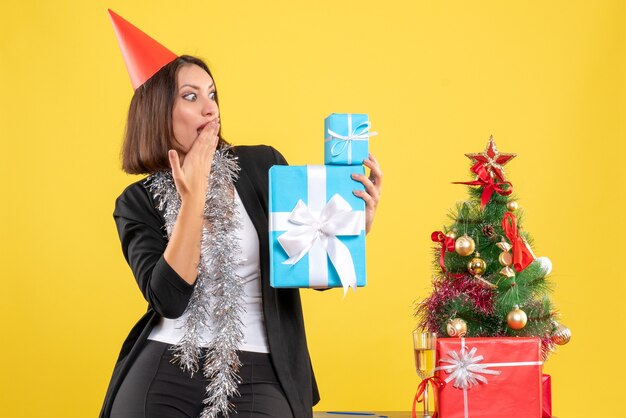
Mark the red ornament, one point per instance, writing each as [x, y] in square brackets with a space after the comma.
[492, 160]
[522, 256]
[447, 244]
[489, 186]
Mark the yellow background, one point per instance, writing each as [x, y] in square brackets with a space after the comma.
[437, 78]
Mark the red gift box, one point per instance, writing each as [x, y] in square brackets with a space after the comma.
[546, 392]
[489, 377]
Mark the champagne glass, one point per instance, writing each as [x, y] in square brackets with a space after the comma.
[424, 344]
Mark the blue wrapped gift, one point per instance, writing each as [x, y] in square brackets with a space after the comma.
[316, 227]
[346, 138]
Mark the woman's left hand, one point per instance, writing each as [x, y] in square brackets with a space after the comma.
[373, 188]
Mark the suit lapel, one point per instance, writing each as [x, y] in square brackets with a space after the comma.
[258, 215]
[251, 202]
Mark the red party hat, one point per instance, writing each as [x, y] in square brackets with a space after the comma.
[143, 55]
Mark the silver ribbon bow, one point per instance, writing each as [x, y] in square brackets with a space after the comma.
[464, 368]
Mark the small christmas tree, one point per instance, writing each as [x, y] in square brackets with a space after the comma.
[488, 282]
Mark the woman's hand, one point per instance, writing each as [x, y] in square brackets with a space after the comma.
[191, 177]
[373, 188]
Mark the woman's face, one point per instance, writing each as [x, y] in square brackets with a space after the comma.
[194, 105]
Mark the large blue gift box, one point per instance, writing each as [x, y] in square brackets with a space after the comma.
[346, 138]
[316, 227]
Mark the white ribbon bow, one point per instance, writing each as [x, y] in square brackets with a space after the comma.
[319, 232]
[346, 140]
[465, 369]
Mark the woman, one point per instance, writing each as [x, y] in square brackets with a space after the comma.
[258, 358]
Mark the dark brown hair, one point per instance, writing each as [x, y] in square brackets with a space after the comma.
[149, 133]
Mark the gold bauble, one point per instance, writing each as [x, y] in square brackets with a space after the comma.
[451, 234]
[504, 245]
[476, 266]
[516, 319]
[505, 259]
[464, 245]
[512, 206]
[456, 327]
[561, 335]
[507, 272]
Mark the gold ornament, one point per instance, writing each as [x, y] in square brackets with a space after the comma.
[512, 206]
[505, 259]
[451, 234]
[476, 266]
[464, 245]
[485, 283]
[456, 327]
[507, 272]
[516, 319]
[504, 246]
[561, 335]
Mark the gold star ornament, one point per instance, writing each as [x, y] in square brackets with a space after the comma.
[492, 160]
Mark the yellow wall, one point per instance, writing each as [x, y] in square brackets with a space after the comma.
[437, 78]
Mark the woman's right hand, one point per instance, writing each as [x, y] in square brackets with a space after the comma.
[191, 177]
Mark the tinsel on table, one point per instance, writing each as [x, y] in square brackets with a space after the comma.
[217, 299]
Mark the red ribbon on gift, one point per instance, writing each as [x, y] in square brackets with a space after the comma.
[437, 384]
[447, 244]
[522, 256]
[490, 186]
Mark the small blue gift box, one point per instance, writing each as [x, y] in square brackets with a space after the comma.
[316, 227]
[346, 138]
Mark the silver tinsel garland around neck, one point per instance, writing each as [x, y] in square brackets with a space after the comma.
[217, 299]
